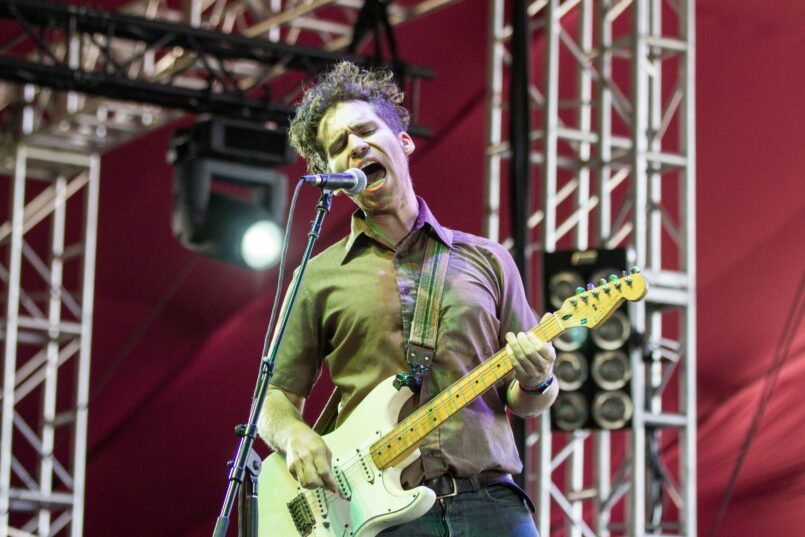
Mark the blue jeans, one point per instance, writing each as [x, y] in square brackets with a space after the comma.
[493, 511]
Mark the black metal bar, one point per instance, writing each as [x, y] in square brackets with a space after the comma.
[520, 166]
[113, 82]
[209, 41]
[193, 100]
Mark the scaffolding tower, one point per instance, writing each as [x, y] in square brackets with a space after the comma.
[50, 151]
[613, 155]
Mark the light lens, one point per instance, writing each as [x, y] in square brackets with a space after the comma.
[571, 370]
[611, 369]
[612, 410]
[613, 333]
[261, 245]
[570, 411]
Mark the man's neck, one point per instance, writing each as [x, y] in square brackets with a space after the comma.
[395, 225]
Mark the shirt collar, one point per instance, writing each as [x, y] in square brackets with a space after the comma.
[424, 216]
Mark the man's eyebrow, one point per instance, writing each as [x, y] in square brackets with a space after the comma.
[336, 142]
[354, 127]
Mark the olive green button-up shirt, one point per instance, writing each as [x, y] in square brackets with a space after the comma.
[354, 311]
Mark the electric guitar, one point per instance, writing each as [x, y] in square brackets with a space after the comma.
[370, 448]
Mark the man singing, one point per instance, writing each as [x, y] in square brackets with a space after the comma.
[356, 306]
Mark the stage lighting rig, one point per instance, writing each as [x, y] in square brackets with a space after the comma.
[593, 367]
[228, 199]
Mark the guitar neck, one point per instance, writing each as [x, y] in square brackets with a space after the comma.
[406, 436]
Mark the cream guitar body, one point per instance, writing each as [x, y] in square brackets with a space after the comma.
[368, 499]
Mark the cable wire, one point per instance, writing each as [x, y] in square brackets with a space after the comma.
[782, 352]
[281, 271]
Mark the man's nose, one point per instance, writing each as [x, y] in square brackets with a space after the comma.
[358, 147]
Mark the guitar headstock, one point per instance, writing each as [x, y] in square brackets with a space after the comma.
[592, 306]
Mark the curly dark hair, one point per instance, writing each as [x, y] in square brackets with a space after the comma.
[344, 82]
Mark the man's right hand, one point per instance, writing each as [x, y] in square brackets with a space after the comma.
[309, 459]
[281, 426]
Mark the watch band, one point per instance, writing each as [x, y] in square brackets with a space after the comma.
[539, 389]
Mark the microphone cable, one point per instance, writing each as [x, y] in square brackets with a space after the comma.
[281, 270]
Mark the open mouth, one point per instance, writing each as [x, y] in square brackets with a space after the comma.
[374, 173]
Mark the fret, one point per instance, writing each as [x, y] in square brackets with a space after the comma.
[473, 380]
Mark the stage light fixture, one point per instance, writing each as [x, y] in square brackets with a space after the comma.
[571, 339]
[612, 410]
[593, 366]
[613, 333]
[228, 201]
[571, 370]
[570, 411]
[611, 369]
[562, 285]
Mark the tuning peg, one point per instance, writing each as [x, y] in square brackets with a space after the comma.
[635, 270]
[573, 301]
[613, 278]
[624, 274]
[579, 290]
[602, 281]
[590, 286]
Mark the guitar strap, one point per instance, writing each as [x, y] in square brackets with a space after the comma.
[424, 326]
[421, 344]
[325, 423]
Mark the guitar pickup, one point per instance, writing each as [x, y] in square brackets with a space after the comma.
[367, 469]
[321, 503]
[343, 485]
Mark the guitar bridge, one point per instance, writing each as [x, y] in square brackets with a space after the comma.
[301, 515]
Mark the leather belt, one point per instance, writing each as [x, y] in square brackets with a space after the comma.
[446, 485]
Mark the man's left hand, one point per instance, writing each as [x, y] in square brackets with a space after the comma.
[532, 358]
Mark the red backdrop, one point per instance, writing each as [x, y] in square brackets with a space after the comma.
[168, 387]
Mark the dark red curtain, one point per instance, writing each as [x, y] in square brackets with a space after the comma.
[177, 338]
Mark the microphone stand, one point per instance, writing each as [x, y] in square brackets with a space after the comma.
[245, 458]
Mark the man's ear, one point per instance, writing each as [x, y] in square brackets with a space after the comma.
[407, 142]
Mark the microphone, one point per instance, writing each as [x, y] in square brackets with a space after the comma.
[351, 181]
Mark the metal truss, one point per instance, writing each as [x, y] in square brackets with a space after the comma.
[85, 82]
[47, 332]
[613, 153]
[213, 56]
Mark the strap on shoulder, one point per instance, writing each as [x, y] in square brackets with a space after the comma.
[325, 423]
